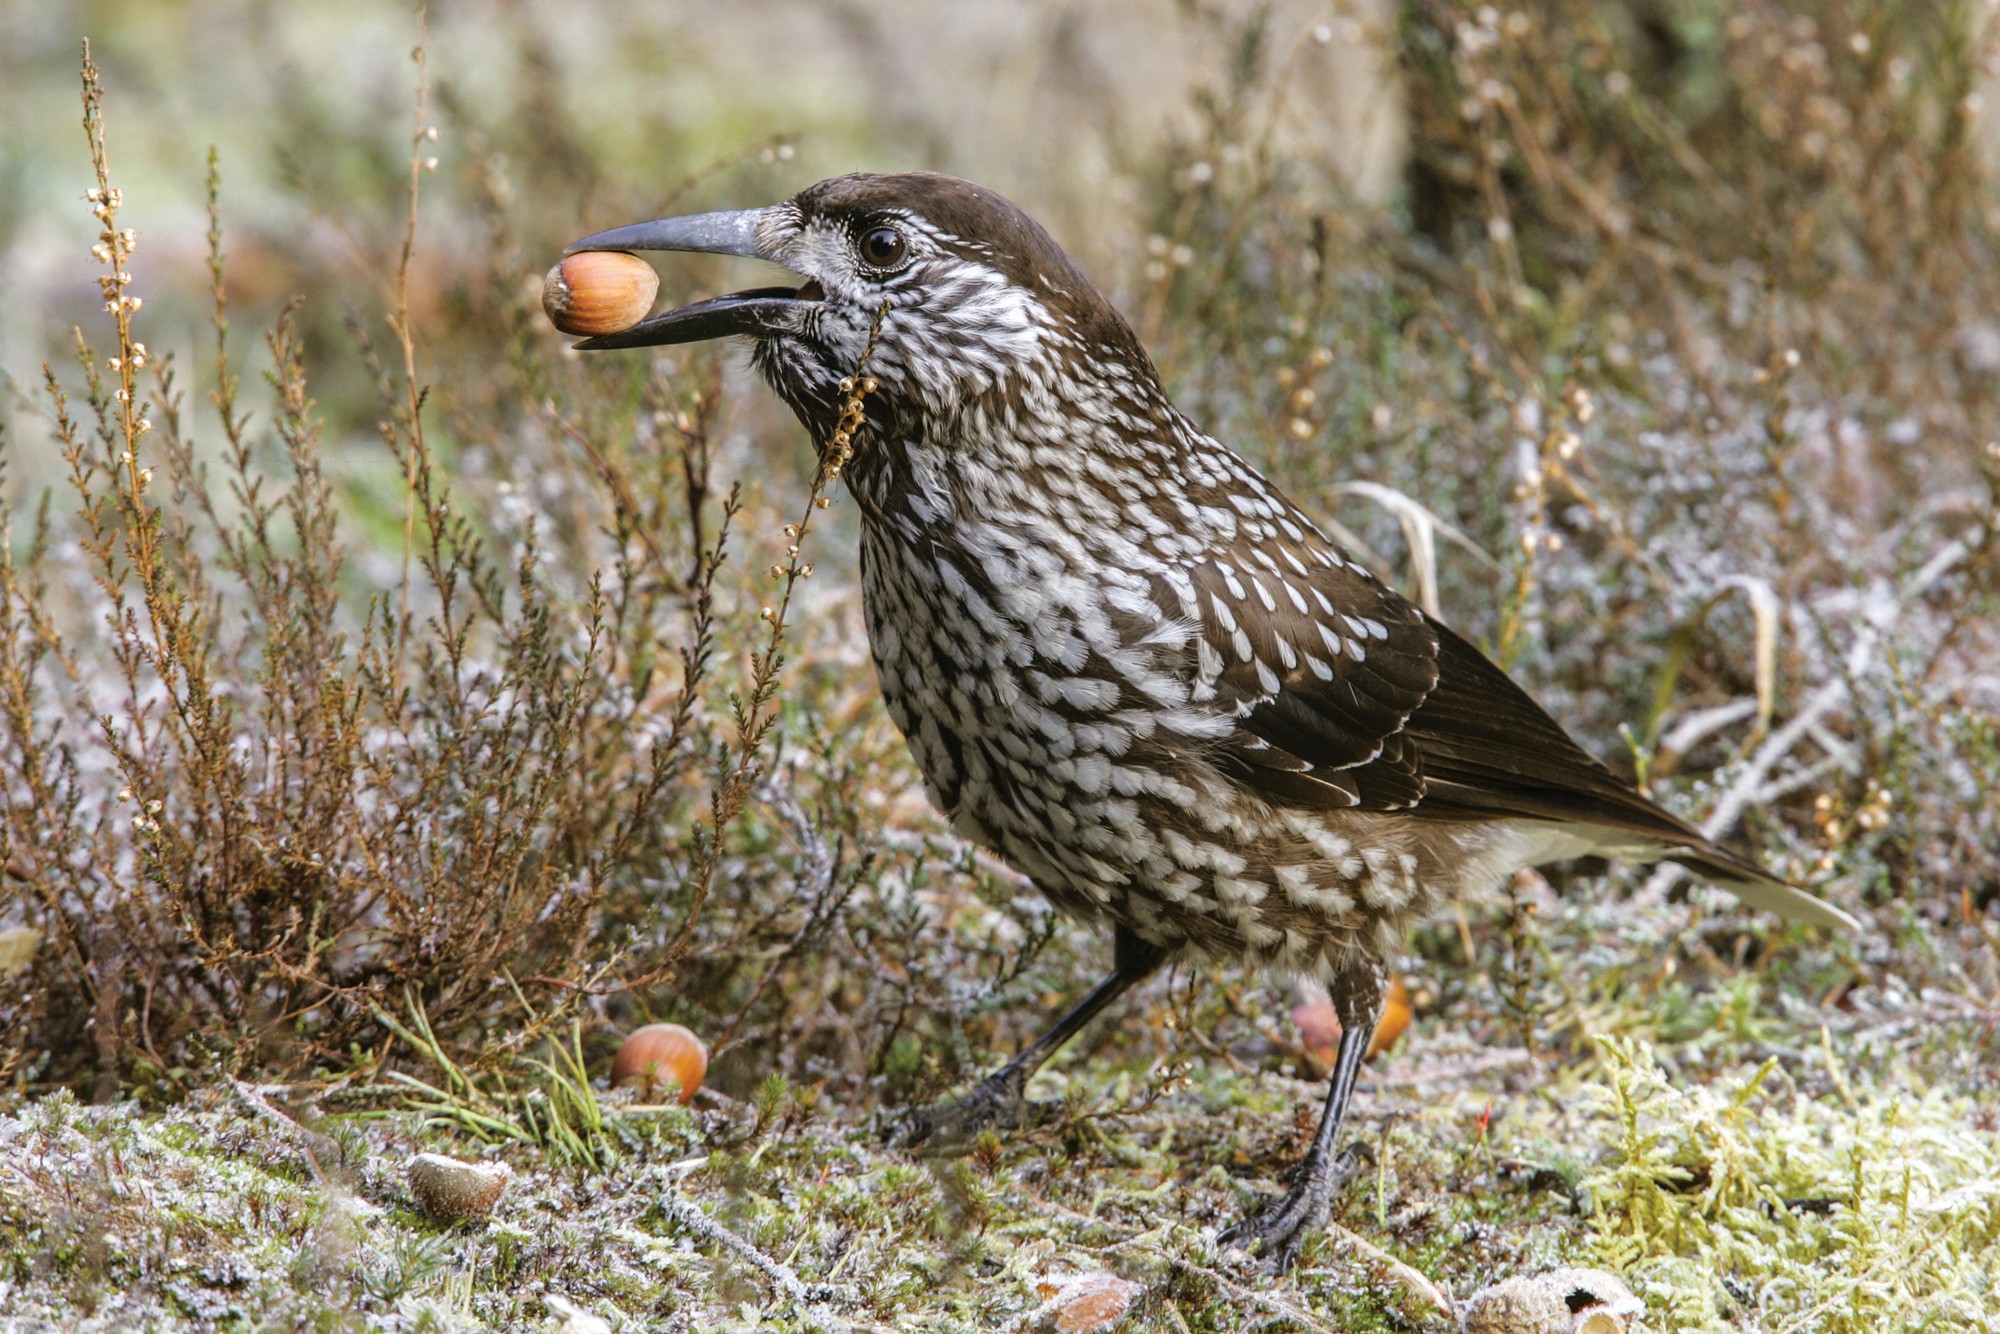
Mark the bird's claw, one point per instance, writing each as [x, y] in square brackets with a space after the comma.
[1274, 1234]
[945, 1129]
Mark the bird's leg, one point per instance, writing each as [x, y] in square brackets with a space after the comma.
[1000, 1101]
[1275, 1232]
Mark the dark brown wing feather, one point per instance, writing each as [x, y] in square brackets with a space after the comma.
[1402, 714]
[1389, 709]
[1490, 750]
[1346, 694]
[1322, 666]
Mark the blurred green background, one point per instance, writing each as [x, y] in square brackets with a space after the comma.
[558, 119]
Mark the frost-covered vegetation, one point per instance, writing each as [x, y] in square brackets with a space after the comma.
[393, 717]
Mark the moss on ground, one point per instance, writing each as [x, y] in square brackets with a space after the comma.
[1803, 1188]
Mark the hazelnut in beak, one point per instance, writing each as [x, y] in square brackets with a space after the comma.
[599, 292]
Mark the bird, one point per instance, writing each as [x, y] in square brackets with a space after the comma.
[1123, 660]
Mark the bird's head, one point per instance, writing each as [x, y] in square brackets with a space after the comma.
[960, 300]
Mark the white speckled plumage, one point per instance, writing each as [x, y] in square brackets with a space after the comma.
[1122, 659]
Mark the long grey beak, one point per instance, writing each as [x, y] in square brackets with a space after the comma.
[760, 313]
[705, 233]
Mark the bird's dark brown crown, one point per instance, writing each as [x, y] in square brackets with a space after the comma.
[979, 302]
[975, 223]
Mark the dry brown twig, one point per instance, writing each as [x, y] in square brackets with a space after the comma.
[418, 452]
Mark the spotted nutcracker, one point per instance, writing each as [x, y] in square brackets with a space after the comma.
[1123, 660]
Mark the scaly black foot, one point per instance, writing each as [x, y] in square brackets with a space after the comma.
[948, 1128]
[1000, 1103]
[1274, 1234]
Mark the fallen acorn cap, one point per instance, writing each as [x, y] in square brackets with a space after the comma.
[573, 1319]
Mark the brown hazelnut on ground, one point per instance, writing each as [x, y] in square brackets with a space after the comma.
[1087, 1303]
[657, 1053]
[1555, 1301]
[599, 292]
[452, 1190]
[1319, 1026]
[1396, 1014]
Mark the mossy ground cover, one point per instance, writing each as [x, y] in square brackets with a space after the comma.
[1806, 1188]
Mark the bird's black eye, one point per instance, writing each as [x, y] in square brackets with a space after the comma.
[883, 247]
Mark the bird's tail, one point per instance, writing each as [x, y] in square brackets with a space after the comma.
[1759, 888]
